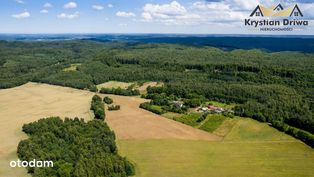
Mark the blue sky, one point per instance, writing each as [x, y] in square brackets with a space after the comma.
[136, 16]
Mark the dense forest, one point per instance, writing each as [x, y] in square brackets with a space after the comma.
[77, 149]
[271, 87]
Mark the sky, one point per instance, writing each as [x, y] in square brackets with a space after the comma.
[139, 16]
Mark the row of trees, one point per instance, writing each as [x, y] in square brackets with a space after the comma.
[98, 107]
[77, 149]
[120, 91]
[152, 108]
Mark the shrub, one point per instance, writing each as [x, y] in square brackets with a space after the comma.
[114, 107]
[108, 100]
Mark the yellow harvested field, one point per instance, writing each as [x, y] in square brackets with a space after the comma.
[33, 101]
[131, 122]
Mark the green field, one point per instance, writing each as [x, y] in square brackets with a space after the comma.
[114, 84]
[189, 119]
[266, 152]
[73, 67]
[250, 130]
[222, 105]
[212, 122]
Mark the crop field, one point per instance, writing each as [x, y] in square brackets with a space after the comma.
[212, 122]
[186, 158]
[264, 152]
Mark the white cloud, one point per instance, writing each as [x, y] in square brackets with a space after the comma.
[68, 16]
[200, 12]
[98, 7]
[110, 5]
[220, 11]
[20, 1]
[70, 5]
[125, 14]
[48, 5]
[21, 15]
[245, 4]
[173, 13]
[308, 10]
[44, 11]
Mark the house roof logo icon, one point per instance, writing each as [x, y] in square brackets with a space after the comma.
[277, 11]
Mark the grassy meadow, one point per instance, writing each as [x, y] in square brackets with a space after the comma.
[250, 149]
[114, 84]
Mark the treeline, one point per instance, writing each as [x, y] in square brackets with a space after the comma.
[304, 136]
[152, 108]
[77, 149]
[120, 91]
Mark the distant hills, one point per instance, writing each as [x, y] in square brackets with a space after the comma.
[226, 42]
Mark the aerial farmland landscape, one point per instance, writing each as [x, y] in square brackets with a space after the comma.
[155, 89]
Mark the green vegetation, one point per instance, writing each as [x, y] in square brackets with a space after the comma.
[184, 158]
[189, 119]
[77, 149]
[98, 107]
[212, 122]
[153, 108]
[119, 91]
[226, 126]
[108, 100]
[221, 105]
[202, 117]
[251, 130]
[270, 87]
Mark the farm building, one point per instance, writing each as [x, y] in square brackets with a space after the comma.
[177, 104]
